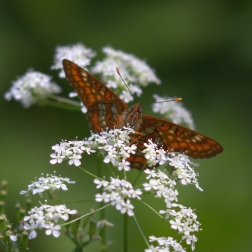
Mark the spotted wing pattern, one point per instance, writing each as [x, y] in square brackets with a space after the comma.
[173, 137]
[104, 108]
[102, 103]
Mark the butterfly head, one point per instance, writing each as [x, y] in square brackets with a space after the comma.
[132, 116]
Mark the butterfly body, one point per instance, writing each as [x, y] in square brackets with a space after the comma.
[132, 117]
[106, 110]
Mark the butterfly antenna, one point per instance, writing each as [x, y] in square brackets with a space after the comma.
[175, 99]
[117, 70]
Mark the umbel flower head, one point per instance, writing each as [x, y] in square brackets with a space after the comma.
[46, 217]
[48, 183]
[32, 88]
[78, 53]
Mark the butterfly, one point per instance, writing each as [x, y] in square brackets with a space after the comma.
[105, 110]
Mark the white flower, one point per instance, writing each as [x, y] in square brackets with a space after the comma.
[131, 149]
[75, 159]
[13, 238]
[166, 212]
[32, 233]
[101, 183]
[63, 212]
[52, 229]
[190, 239]
[135, 193]
[153, 184]
[124, 165]
[184, 177]
[152, 173]
[176, 224]
[161, 156]
[78, 53]
[172, 111]
[117, 201]
[110, 158]
[127, 207]
[193, 240]
[56, 158]
[102, 197]
[61, 148]
[32, 88]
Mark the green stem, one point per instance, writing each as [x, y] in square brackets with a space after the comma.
[141, 231]
[103, 214]
[125, 229]
[60, 102]
[89, 173]
[139, 175]
[153, 210]
[74, 201]
[97, 210]
[64, 100]
[59, 105]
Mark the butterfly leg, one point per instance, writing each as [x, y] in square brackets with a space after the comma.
[134, 140]
[120, 122]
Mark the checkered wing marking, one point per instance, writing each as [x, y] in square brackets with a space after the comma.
[173, 137]
[102, 103]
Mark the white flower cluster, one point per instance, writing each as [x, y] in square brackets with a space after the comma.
[114, 145]
[46, 217]
[50, 182]
[182, 164]
[34, 86]
[78, 53]
[71, 150]
[185, 220]
[173, 111]
[117, 148]
[118, 192]
[161, 185]
[154, 154]
[164, 245]
[184, 169]
[31, 88]
[134, 71]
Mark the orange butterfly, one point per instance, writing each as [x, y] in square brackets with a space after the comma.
[106, 110]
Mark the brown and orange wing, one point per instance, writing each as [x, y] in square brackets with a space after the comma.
[101, 102]
[173, 137]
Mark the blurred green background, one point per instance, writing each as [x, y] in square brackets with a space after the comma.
[201, 50]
